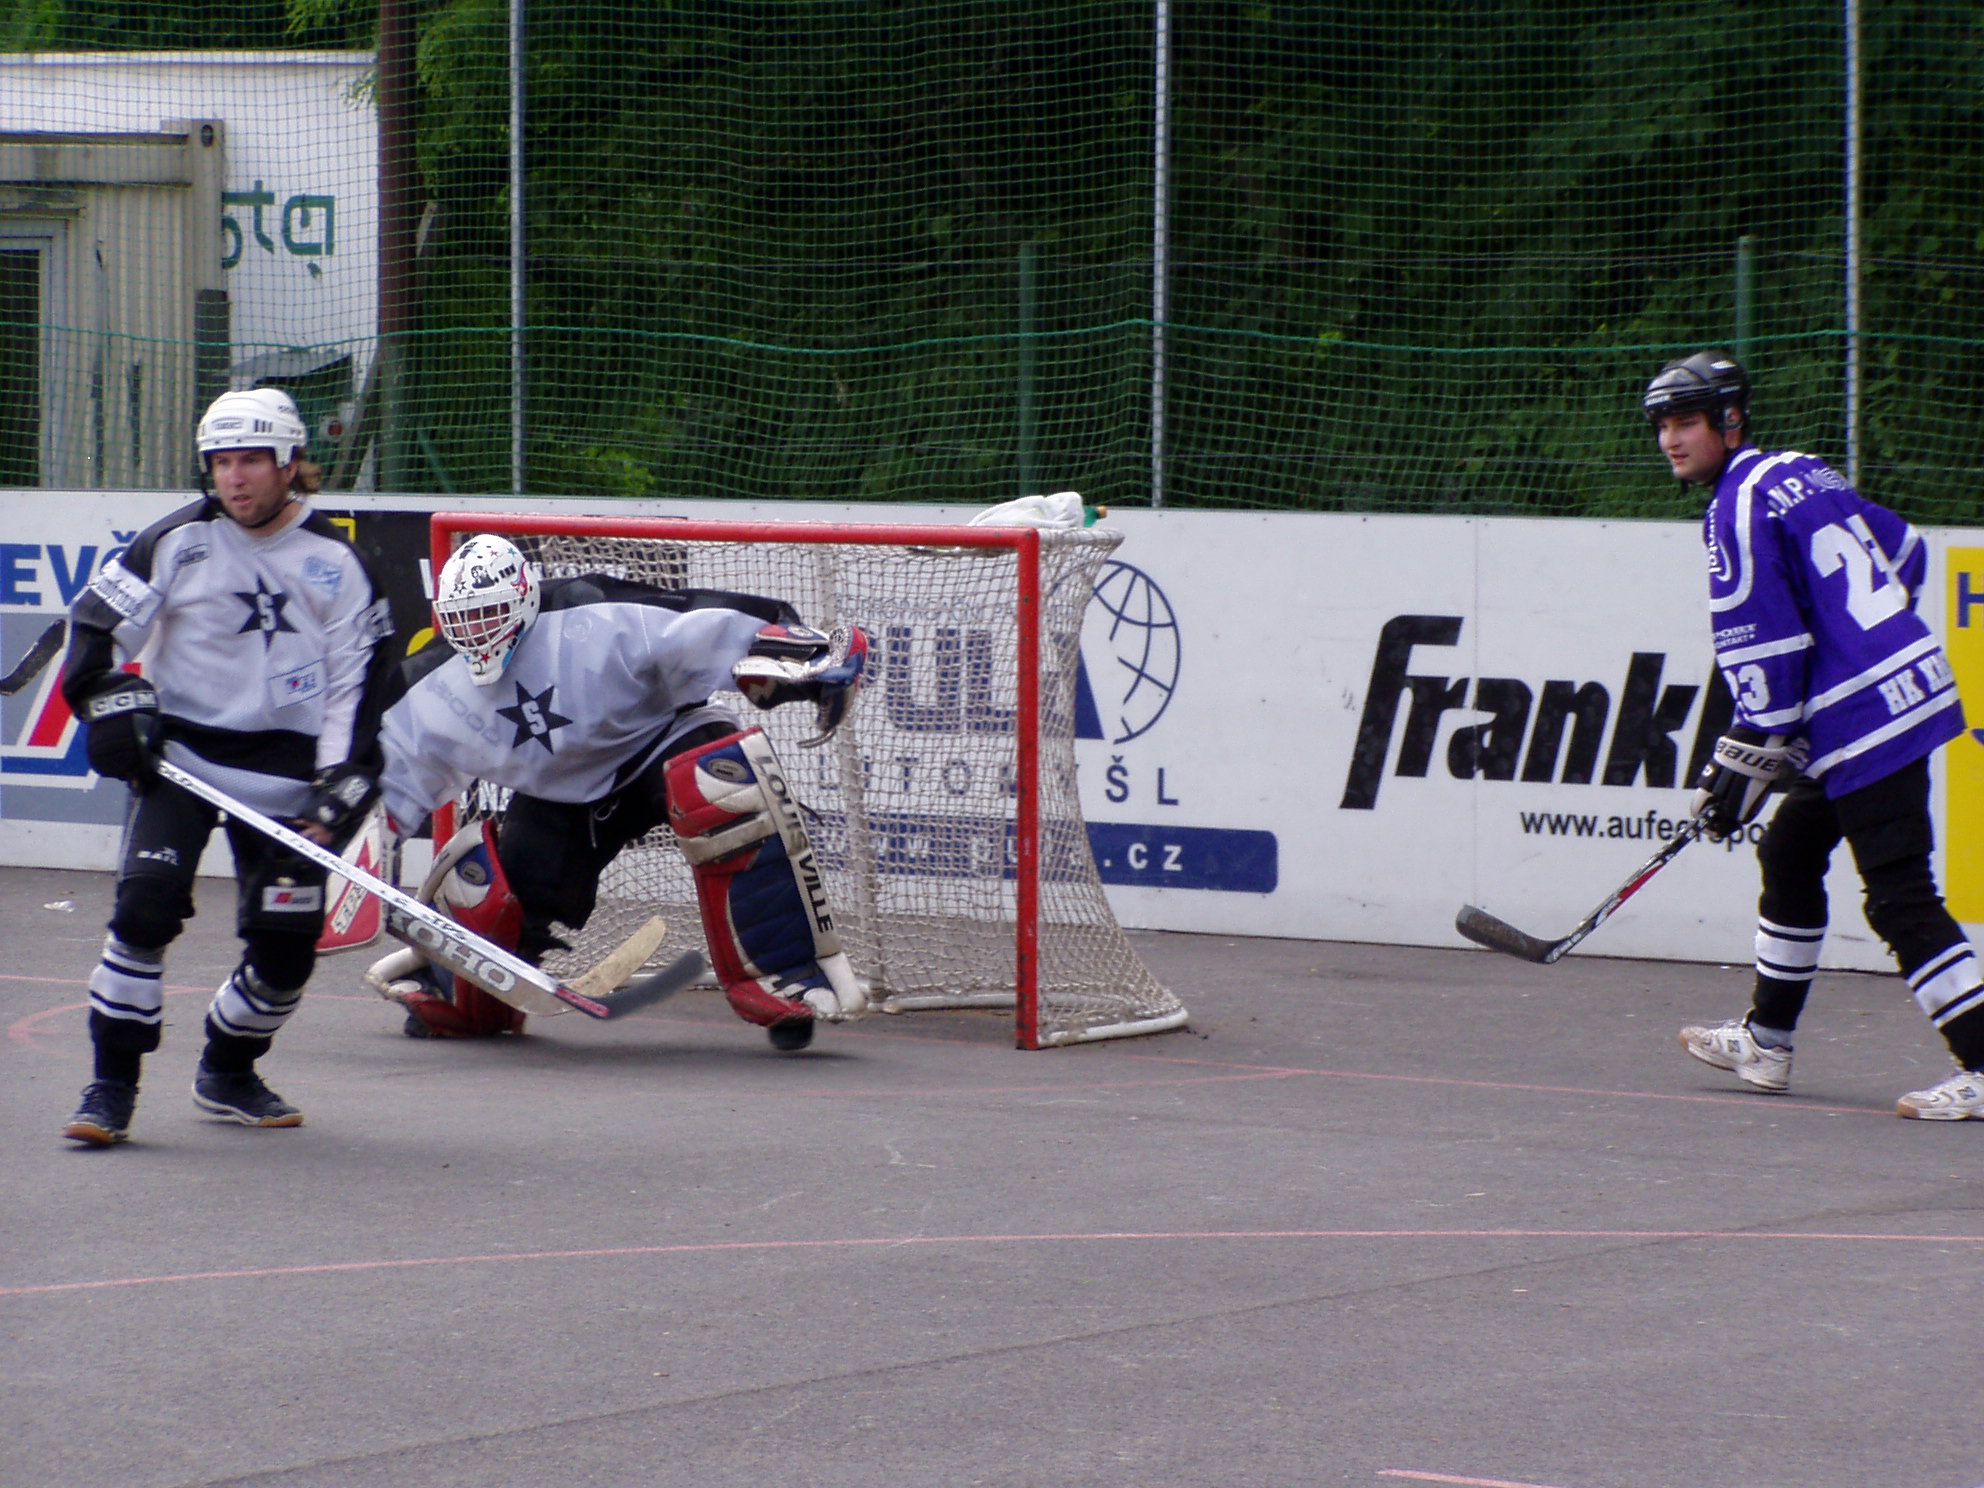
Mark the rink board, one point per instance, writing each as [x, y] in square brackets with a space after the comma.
[1317, 726]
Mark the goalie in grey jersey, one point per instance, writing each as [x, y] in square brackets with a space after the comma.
[589, 697]
[239, 639]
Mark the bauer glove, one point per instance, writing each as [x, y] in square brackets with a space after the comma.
[1746, 766]
[122, 715]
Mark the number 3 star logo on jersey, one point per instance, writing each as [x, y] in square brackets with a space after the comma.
[264, 612]
[534, 718]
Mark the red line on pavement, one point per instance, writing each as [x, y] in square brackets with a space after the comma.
[1431, 1477]
[886, 1241]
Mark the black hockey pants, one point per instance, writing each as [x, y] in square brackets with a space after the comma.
[553, 852]
[279, 902]
[1888, 827]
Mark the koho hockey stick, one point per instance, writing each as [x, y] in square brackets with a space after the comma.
[38, 656]
[501, 973]
[1499, 935]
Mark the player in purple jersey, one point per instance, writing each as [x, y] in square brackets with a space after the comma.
[1841, 696]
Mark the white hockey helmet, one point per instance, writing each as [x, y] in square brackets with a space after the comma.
[485, 601]
[254, 418]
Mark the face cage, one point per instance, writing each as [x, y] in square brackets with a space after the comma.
[477, 629]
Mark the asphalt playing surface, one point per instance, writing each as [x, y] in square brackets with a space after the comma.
[1381, 1216]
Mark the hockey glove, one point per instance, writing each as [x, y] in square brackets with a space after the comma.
[121, 713]
[339, 799]
[1746, 767]
[795, 663]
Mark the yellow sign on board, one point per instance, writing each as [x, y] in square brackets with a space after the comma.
[1963, 825]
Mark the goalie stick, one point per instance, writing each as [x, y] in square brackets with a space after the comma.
[1499, 935]
[38, 656]
[499, 972]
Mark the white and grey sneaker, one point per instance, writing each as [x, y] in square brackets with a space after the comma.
[1959, 1098]
[1731, 1046]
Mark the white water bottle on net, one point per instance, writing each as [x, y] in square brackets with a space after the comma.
[945, 811]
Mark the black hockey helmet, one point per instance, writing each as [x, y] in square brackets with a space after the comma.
[1711, 382]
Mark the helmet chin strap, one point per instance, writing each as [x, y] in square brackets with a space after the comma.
[289, 499]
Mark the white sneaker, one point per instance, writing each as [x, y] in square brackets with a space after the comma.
[1959, 1098]
[1731, 1046]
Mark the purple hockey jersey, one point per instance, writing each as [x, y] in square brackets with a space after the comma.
[1812, 589]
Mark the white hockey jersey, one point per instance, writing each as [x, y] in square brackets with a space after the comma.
[264, 650]
[603, 678]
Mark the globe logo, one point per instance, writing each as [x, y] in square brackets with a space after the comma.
[1133, 631]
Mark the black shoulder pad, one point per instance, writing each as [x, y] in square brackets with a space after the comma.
[429, 657]
[137, 555]
[771, 611]
[598, 588]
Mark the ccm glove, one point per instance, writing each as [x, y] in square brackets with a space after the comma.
[339, 799]
[1746, 767]
[121, 713]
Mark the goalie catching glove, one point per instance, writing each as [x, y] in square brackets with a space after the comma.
[122, 715]
[796, 663]
[1746, 767]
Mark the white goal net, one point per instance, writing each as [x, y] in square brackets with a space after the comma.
[920, 805]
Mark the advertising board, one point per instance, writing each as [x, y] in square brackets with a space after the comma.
[1321, 727]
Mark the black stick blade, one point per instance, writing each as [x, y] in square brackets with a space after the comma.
[38, 656]
[1499, 935]
[664, 984]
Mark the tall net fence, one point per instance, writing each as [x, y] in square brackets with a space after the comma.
[1417, 257]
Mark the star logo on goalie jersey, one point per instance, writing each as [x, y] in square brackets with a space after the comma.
[534, 718]
[265, 612]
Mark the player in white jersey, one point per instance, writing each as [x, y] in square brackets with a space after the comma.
[589, 698]
[239, 639]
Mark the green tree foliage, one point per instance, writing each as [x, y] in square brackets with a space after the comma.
[774, 247]
[148, 25]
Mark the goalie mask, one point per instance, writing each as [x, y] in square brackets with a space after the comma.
[486, 599]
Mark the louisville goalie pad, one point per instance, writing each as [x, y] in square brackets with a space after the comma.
[467, 883]
[764, 905]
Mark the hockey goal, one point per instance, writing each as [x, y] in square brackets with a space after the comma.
[945, 811]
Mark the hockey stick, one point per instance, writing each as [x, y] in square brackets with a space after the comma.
[624, 960]
[1499, 935]
[504, 975]
[39, 655]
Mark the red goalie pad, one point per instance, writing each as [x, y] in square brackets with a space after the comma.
[468, 884]
[764, 907]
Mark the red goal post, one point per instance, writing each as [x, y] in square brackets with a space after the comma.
[974, 635]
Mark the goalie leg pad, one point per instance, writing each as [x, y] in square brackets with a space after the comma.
[467, 884]
[764, 905]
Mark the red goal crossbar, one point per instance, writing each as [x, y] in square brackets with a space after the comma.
[1025, 543]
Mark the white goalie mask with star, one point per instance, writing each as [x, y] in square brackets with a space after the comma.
[486, 599]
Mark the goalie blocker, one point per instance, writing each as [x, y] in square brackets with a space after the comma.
[764, 907]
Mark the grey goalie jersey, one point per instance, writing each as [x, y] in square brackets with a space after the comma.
[264, 650]
[604, 677]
